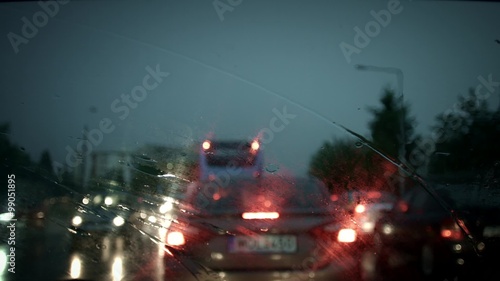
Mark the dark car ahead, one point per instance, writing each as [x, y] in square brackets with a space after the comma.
[274, 229]
[419, 232]
[100, 215]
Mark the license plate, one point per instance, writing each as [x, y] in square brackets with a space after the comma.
[491, 231]
[263, 244]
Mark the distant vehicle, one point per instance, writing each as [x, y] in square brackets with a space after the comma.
[230, 159]
[249, 226]
[99, 215]
[419, 231]
[368, 207]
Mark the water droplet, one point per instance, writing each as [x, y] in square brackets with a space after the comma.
[22, 148]
[358, 144]
[272, 168]
[93, 109]
[359, 108]
[100, 246]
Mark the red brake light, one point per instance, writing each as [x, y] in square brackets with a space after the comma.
[175, 238]
[450, 230]
[360, 208]
[346, 235]
[206, 145]
[260, 215]
[403, 206]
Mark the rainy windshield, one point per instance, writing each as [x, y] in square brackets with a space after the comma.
[269, 195]
[250, 140]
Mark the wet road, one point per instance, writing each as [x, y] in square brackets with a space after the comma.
[46, 250]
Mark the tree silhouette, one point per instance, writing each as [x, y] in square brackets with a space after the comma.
[45, 164]
[470, 138]
[385, 126]
[346, 165]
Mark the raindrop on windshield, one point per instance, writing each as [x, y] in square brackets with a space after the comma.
[358, 144]
[272, 168]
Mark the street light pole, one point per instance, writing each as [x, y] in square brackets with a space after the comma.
[400, 80]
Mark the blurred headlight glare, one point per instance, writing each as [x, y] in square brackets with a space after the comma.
[346, 235]
[77, 220]
[108, 201]
[175, 238]
[118, 221]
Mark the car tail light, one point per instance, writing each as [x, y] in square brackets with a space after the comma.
[402, 206]
[360, 208]
[346, 235]
[260, 215]
[206, 145]
[175, 238]
[450, 230]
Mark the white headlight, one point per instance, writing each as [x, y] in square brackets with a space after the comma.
[166, 207]
[387, 229]
[118, 221]
[77, 220]
[108, 200]
[6, 216]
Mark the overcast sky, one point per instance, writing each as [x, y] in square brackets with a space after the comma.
[231, 71]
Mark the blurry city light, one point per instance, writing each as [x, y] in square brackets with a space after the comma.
[108, 201]
[255, 145]
[360, 208]
[117, 269]
[77, 220]
[166, 207]
[3, 260]
[75, 268]
[346, 235]
[118, 221]
[206, 145]
[387, 229]
[175, 238]
[6, 216]
[217, 256]
[368, 226]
